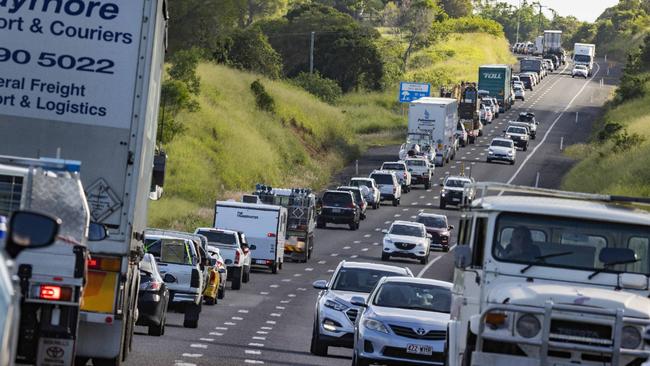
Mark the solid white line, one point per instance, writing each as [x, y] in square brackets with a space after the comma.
[551, 128]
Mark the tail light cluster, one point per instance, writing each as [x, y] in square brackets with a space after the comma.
[237, 257]
[52, 292]
[104, 264]
[153, 286]
[196, 276]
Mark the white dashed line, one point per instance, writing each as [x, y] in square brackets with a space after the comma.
[216, 334]
[256, 345]
[193, 355]
[252, 352]
[199, 345]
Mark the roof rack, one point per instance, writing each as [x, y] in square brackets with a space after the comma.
[482, 188]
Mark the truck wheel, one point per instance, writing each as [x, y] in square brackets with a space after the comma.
[221, 293]
[274, 268]
[246, 277]
[237, 278]
[317, 347]
[385, 257]
[191, 318]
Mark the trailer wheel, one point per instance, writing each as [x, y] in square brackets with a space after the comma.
[246, 277]
[191, 319]
[237, 278]
[274, 268]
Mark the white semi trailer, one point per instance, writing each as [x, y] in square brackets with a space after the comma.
[81, 81]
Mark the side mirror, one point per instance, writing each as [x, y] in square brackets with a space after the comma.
[228, 261]
[97, 232]
[429, 236]
[169, 278]
[252, 247]
[320, 285]
[213, 262]
[358, 301]
[30, 230]
[222, 270]
[462, 256]
[451, 227]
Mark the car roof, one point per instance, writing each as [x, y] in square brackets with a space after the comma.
[377, 266]
[350, 188]
[408, 223]
[379, 171]
[458, 177]
[419, 280]
[393, 162]
[217, 230]
[429, 214]
[156, 236]
[336, 191]
[579, 209]
[360, 178]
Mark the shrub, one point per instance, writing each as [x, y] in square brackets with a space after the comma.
[325, 89]
[263, 99]
[250, 50]
[625, 141]
[473, 24]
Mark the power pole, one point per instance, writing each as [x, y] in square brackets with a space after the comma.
[311, 53]
[518, 17]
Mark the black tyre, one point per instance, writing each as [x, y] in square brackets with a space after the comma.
[237, 278]
[512, 162]
[157, 330]
[445, 249]
[489, 160]
[210, 300]
[425, 259]
[427, 185]
[385, 257]
[317, 347]
[526, 148]
[274, 268]
[320, 224]
[359, 361]
[395, 202]
[375, 205]
[191, 319]
[246, 278]
[443, 205]
[107, 361]
[221, 293]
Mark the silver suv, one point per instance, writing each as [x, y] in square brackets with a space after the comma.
[389, 187]
[335, 316]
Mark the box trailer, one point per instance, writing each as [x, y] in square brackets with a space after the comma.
[264, 226]
[436, 117]
[497, 79]
[87, 87]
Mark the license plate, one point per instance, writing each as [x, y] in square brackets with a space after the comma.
[260, 261]
[336, 210]
[419, 349]
[455, 199]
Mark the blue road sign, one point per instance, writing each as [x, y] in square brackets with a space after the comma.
[411, 91]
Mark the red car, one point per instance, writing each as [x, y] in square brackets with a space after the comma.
[439, 228]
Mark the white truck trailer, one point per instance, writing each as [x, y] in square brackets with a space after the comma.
[83, 83]
[436, 117]
[539, 46]
[584, 54]
[265, 227]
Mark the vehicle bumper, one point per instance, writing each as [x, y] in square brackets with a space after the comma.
[415, 252]
[391, 349]
[452, 199]
[176, 297]
[335, 219]
[440, 245]
[150, 309]
[420, 179]
[521, 143]
[501, 157]
[387, 197]
[99, 340]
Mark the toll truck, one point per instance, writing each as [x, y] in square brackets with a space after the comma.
[301, 217]
[93, 99]
[51, 279]
[497, 79]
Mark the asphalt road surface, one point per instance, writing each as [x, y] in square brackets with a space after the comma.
[269, 321]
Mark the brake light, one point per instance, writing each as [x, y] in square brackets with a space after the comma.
[237, 255]
[53, 293]
[271, 235]
[394, 189]
[104, 264]
[153, 286]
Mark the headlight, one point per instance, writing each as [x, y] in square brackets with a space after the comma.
[335, 305]
[375, 325]
[508, 136]
[528, 326]
[631, 338]
[490, 152]
[510, 153]
[388, 241]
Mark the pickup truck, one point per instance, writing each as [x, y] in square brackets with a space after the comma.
[234, 249]
[401, 172]
[421, 171]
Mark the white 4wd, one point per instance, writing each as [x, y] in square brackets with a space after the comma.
[389, 187]
[421, 171]
[178, 262]
[401, 172]
[550, 278]
[235, 251]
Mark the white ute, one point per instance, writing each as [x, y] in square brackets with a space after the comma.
[546, 277]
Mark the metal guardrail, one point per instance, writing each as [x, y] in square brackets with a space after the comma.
[544, 342]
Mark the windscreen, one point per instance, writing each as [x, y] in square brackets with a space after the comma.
[518, 130]
[414, 296]
[331, 198]
[568, 243]
[456, 183]
[383, 178]
[502, 143]
[407, 230]
[439, 222]
[361, 183]
[360, 279]
[390, 166]
[219, 237]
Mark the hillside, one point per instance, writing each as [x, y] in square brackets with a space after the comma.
[230, 144]
[626, 169]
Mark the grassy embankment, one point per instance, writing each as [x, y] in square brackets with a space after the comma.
[230, 144]
[601, 169]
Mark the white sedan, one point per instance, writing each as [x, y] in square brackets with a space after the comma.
[580, 70]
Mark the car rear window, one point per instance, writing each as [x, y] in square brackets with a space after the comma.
[330, 198]
[361, 183]
[219, 237]
[355, 192]
[416, 163]
[382, 178]
[503, 143]
[392, 166]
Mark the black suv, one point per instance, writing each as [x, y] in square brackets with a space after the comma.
[338, 207]
[527, 80]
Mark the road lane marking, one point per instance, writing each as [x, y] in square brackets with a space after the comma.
[252, 352]
[199, 345]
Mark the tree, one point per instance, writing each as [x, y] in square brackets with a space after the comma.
[344, 50]
[248, 49]
[416, 21]
[197, 23]
[457, 8]
[250, 10]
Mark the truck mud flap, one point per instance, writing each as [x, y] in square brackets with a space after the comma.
[55, 352]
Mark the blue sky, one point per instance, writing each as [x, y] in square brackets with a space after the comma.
[587, 10]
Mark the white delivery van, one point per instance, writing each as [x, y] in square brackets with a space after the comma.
[264, 226]
[438, 118]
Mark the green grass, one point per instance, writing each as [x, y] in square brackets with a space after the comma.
[458, 58]
[230, 144]
[600, 170]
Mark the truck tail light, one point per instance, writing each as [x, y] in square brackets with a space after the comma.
[104, 264]
[153, 286]
[394, 189]
[237, 255]
[52, 293]
[271, 235]
[194, 281]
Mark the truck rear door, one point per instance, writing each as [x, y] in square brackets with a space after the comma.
[259, 224]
